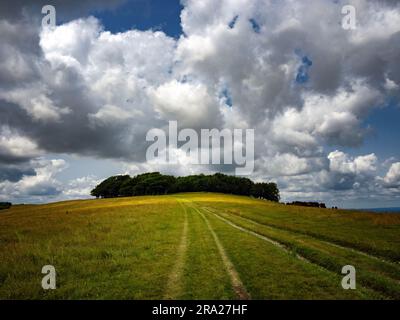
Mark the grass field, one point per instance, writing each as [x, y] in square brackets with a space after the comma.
[196, 246]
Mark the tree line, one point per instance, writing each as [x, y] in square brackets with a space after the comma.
[155, 183]
[5, 205]
[307, 204]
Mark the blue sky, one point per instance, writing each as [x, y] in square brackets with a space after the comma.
[143, 15]
[385, 136]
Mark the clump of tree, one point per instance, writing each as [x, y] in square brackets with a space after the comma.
[156, 183]
[5, 205]
[307, 204]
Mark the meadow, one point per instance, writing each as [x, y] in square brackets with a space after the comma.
[196, 246]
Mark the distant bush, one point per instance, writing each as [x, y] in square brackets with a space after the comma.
[5, 205]
[156, 184]
[307, 204]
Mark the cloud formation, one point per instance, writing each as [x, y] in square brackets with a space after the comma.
[289, 69]
[392, 178]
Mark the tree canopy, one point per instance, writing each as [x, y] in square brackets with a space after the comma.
[5, 205]
[155, 183]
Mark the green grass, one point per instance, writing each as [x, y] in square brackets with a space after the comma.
[204, 273]
[196, 246]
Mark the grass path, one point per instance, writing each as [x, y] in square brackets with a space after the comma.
[260, 236]
[342, 246]
[239, 288]
[373, 234]
[204, 272]
[394, 267]
[237, 284]
[195, 246]
[376, 282]
[175, 285]
[279, 274]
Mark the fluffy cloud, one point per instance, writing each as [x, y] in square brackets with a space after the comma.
[288, 164]
[341, 163]
[346, 173]
[191, 104]
[80, 187]
[79, 89]
[392, 178]
[15, 154]
[16, 148]
[42, 184]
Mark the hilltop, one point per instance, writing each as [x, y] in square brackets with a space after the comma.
[196, 246]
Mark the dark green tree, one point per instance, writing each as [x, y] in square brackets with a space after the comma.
[155, 183]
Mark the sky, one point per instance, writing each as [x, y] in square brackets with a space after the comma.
[77, 99]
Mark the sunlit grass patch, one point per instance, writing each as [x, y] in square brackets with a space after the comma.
[127, 248]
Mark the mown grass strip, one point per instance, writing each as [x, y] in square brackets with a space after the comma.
[268, 272]
[237, 284]
[381, 255]
[204, 275]
[394, 267]
[388, 287]
[262, 237]
[175, 281]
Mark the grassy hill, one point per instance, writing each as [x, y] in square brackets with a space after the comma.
[196, 246]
